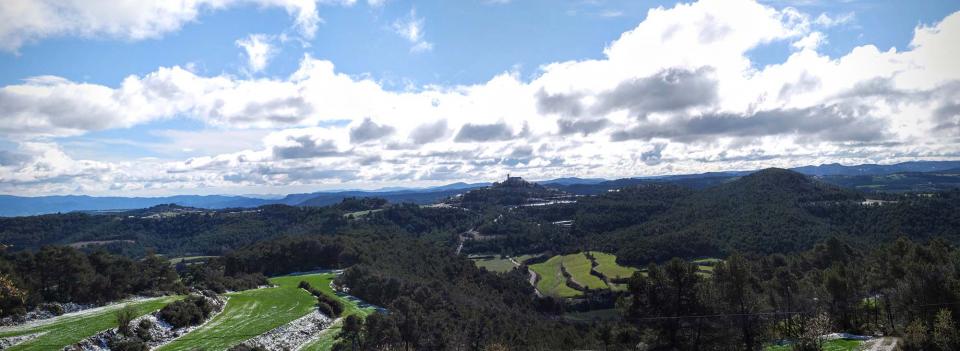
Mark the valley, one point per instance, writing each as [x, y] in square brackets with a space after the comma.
[647, 260]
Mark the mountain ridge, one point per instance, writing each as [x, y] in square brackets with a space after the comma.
[11, 205]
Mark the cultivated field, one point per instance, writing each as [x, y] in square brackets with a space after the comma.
[705, 265]
[579, 266]
[502, 264]
[253, 312]
[607, 265]
[68, 329]
[351, 305]
[552, 282]
[829, 345]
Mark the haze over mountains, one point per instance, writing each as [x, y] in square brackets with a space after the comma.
[911, 176]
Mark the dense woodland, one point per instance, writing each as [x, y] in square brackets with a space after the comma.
[802, 258]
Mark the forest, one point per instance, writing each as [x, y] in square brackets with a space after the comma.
[798, 259]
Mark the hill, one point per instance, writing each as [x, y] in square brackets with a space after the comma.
[513, 191]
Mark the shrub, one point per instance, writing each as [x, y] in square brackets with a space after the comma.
[56, 309]
[325, 309]
[143, 329]
[124, 316]
[335, 306]
[192, 310]
[120, 344]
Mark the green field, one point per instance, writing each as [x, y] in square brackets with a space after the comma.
[351, 305]
[578, 265]
[253, 312]
[495, 264]
[705, 266]
[499, 263]
[607, 265]
[552, 282]
[69, 329]
[359, 214]
[830, 345]
[189, 259]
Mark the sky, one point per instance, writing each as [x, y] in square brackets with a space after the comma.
[156, 97]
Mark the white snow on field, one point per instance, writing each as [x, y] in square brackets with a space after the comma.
[293, 335]
[14, 340]
[160, 331]
[75, 315]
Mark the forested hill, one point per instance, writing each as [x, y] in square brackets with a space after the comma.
[769, 211]
[778, 211]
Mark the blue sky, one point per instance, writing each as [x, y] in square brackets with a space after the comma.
[474, 40]
[65, 131]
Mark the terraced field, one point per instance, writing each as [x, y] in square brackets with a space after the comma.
[552, 282]
[71, 328]
[579, 266]
[607, 265]
[247, 314]
[253, 312]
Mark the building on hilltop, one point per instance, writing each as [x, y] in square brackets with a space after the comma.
[513, 181]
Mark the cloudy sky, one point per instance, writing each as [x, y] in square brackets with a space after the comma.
[138, 97]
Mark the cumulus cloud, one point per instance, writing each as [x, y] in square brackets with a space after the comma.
[23, 21]
[670, 90]
[369, 130]
[258, 49]
[585, 126]
[429, 132]
[697, 104]
[484, 132]
[832, 123]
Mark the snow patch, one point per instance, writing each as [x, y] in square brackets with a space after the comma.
[293, 335]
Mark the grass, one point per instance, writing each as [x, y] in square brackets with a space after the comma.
[500, 264]
[351, 306]
[189, 259]
[359, 214]
[497, 264]
[607, 265]
[253, 312]
[830, 345]
[705, 266]
[70, 329]
[578, 265]
[552, 282]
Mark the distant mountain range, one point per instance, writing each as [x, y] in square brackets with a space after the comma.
[917, 175]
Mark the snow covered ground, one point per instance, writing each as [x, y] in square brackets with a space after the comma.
[293, 335]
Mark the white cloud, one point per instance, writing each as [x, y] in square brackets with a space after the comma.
[827, 21]
[676, 94]
[258, 49]
[23, 21]
[411, 29]
[810, 42]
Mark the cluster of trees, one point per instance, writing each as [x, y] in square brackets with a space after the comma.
[901, 288]
[326, 304]
[192, 310]
[65, 274]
